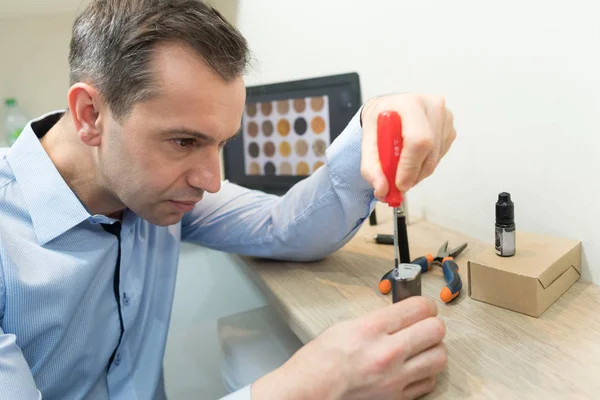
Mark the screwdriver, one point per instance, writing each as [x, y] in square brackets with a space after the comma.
[389, 146]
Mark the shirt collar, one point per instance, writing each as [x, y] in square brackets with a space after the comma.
[53, 206]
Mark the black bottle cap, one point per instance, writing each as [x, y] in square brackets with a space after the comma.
[505, 209]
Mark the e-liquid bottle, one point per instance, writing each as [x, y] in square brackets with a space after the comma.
[505, 226]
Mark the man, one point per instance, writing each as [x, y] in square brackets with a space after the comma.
[95, 200]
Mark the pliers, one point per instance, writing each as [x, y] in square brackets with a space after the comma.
[445, 258]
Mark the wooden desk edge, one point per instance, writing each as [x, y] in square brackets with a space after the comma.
[296, 324]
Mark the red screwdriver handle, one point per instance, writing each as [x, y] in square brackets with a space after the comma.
[389, 145]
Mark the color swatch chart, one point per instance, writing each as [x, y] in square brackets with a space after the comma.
[286, 137]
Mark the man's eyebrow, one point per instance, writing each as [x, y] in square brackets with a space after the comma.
[190, 132]
[199, 135]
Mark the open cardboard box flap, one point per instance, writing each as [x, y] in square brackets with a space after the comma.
[541, 270]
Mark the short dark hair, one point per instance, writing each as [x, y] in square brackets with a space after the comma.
[112, 42]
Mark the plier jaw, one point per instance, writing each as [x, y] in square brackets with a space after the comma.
[444, 253]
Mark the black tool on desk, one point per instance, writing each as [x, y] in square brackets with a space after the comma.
[445, 258]
[382, 238]
[373, 218]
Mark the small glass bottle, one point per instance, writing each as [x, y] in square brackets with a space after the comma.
[505, 226]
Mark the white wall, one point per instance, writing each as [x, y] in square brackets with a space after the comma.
[522, 77]
[34, 66]
[18, 8]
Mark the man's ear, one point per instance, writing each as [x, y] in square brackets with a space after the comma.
[87, 111]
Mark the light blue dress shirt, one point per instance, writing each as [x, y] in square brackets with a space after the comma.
[71, 328]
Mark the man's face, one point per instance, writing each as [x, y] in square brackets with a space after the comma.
[166, 153]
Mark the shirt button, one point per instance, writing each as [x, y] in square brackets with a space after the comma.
[125, 299]
[118, 359]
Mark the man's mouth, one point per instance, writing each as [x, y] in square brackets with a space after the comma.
[184, 206]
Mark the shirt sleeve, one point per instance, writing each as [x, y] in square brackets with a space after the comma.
[314, 218]
[16, 380]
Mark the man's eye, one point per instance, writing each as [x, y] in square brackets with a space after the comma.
[184, 142]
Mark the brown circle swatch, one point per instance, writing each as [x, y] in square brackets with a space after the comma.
[317, 103]
[269, 149]
[269, 168]
[285, 168]
[285, 149]
[318, 125]
[299, 105]
[283, 106]
[251, 109]
[252, 129]
[319, 147]
[283, 127]
[300, 126]
[318, 165]
[301, 147]
[253, 150]
[266, 108]
[302, 168]
[254, 169]
[267, 128]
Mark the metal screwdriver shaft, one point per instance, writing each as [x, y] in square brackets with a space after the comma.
[396, 258]
[403, 247]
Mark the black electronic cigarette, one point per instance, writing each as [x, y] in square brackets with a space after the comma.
[406, 282]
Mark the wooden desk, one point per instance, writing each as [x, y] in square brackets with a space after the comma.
[493, 353]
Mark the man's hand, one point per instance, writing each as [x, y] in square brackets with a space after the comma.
[393, 353]
[427, 130]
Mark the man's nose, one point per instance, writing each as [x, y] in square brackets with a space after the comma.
[206, 174]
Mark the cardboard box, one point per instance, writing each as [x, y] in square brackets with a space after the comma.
[542, 269]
